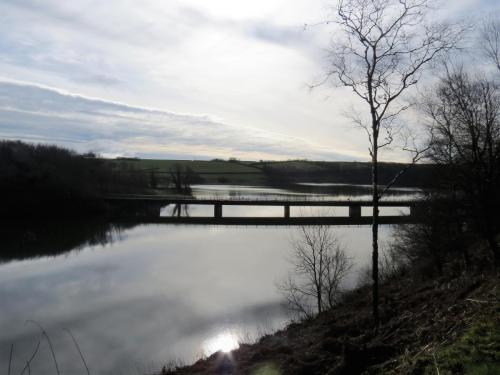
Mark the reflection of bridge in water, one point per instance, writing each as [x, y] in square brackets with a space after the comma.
[354, 216]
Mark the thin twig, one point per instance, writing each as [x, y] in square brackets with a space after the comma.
[49, 341]
[10, 357]
[478, 301]
[78, 348]
[27, 367]
[435, 364]
[420, 352]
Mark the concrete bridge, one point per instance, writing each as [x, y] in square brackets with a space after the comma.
[354, 214]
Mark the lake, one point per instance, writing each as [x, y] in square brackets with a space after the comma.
[137, 296]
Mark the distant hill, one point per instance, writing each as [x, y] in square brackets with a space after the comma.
[283, 173]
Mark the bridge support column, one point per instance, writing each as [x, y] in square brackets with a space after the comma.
[287, 211]
[354, 211]
[218, 211]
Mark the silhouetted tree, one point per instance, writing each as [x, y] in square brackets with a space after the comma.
[182, 178]
[320, 266]
[379, 53]
[465, 114]
[436, 243]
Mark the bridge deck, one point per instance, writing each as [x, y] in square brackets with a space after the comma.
[258, 202]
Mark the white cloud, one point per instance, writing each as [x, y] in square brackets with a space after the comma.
[41, 114]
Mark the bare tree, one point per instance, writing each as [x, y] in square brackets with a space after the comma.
[490, 40]
[465, 114]
[181, 179]
[320, 266]
[380, 53]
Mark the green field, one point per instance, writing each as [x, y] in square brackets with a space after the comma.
[212, 172]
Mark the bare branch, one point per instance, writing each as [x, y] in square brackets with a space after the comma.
[10, 358]
[78, 349]
[320, 266]
[490, 40]
[44, 334]
[32, 357]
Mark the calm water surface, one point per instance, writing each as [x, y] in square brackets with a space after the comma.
[136, 297]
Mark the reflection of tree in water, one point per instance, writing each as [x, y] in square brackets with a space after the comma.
[180, 210]
[24, 240]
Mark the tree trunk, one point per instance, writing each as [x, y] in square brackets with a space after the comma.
[492, 242]
[318, 299]
[375, 196]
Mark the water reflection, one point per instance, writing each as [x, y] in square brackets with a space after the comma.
[176, 210]
[30, 239]
[136, 296]
[314, 191]
[158, 292]
[224, 341]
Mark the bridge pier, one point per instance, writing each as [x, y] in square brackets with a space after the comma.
[354, 211]
[218, 211]
[287, 211]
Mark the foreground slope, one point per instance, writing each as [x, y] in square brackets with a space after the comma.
[446, 326]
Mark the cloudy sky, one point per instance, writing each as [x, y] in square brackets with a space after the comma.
[178, 78]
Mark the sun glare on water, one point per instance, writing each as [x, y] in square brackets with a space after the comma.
[224, 342]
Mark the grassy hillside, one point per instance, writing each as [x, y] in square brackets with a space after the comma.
[211, 172]
[198, 166]
[281, 173]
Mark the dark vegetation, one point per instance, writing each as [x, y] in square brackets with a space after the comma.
[40, 180]
[465, 114]
[287, 173]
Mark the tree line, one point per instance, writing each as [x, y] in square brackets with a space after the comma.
[47, 180]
